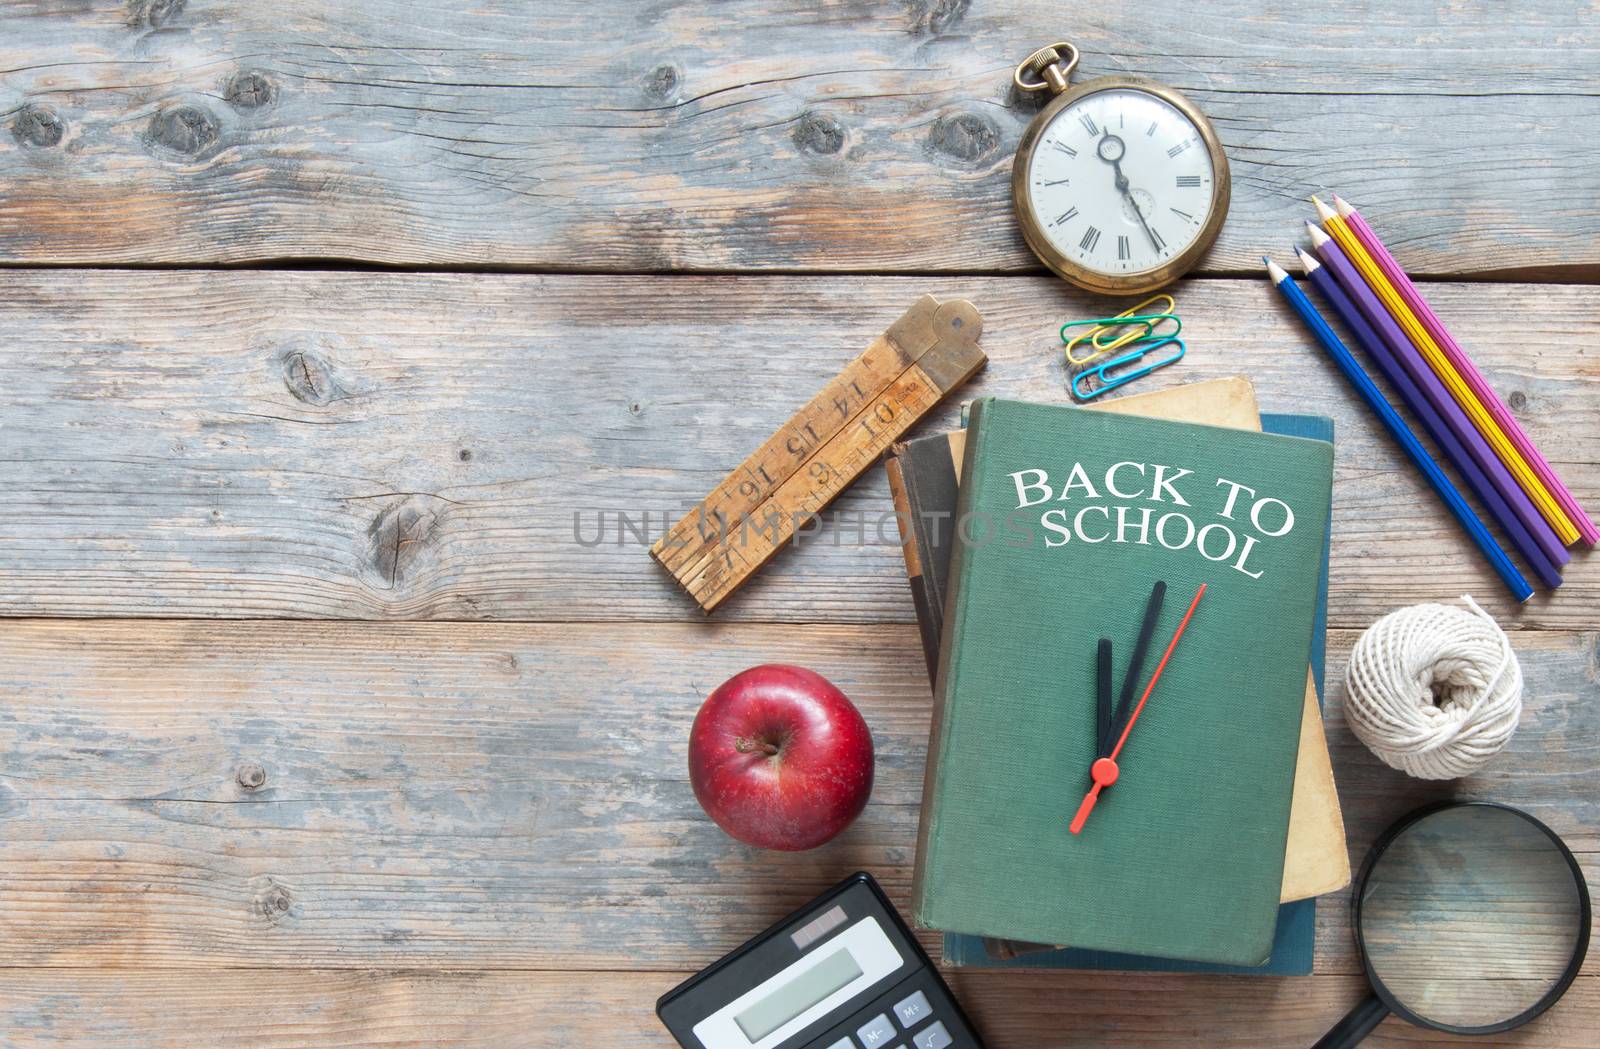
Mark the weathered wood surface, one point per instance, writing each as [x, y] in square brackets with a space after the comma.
[443, 446]
[540, 1010]
[753, 135]
[460, 796]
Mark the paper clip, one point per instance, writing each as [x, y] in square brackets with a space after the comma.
[1141, 326]
[1108, 377]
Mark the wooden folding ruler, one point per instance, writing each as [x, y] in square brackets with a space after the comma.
[797, 471]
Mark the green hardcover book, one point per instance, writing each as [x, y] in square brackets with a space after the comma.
[1068, 518]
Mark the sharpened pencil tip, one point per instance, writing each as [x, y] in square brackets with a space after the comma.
[1318, 238]
[1342, 206]
[1323, 211]
[1275, 271]
[1307, 263]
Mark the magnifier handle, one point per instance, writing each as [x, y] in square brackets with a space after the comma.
[1356, 1025]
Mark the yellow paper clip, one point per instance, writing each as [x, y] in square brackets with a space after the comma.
[1139, 325]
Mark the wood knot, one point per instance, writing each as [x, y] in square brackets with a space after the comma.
[251, 777]
[661, 83]
[935, 16]
[465, 455]
[967, 137]
[273, 901]
[818, 133]
[38, 125]
[248, 90]
[398, 540]
[309, 377]
[153, 14]
[187, 130]
[1518, 400]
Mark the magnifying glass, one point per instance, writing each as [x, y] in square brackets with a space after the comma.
[1471, 917]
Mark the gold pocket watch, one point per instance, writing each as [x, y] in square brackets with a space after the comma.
[1120, 183]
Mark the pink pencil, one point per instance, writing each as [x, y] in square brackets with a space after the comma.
[1469, 373]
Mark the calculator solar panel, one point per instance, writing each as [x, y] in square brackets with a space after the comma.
[842, 972]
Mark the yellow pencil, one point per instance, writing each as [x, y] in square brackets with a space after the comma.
[1565, 530]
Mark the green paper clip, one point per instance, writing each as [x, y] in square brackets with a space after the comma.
[1108, 377]
[1141, 325]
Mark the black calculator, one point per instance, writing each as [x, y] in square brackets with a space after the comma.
[842, 972]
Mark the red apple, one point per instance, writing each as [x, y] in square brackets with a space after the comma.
[780, 758]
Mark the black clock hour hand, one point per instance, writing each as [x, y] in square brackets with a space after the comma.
[1102, 707]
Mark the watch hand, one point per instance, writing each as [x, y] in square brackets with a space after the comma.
[1112, 149]
[1122, 184]
[1104, 770]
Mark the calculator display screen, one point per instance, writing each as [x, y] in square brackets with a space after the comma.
[823, 980]
[799, 994]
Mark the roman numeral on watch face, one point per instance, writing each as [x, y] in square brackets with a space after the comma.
[1123, 249]
[1091, 237]
[1180, 147]
[1188, 181]
[1065, 216]
[1089, 124]
[1063, 147]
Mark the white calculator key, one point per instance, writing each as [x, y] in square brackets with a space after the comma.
[935, 1037]
[877, 1032]
[843, 1043]
[913, 1010]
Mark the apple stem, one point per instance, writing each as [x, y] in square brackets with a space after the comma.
[745, 746]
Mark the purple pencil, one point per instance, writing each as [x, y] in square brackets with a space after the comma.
[1438, 397]
[1322, 279]
[1468, 371]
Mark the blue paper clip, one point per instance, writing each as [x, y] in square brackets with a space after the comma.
[1106, 375]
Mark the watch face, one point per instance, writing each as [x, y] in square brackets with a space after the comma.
[1121, 182]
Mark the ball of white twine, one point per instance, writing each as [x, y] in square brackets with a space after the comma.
[1434, 690]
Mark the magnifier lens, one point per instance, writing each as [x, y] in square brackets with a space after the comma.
[1470, 917]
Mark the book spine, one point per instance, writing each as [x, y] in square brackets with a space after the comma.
[922, 888]
[906, 507]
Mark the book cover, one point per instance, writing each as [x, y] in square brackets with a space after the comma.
[1067, 518]
[1294, 941]
[924, 479]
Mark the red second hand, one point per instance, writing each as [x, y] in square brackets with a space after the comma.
[1104, 771]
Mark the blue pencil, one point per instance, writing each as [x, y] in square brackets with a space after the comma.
[1432, 422]
[1400, 432]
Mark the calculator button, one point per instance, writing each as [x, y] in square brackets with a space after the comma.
[877, 1033]
[843, 1043]
[913, 1010]
[935, 1037]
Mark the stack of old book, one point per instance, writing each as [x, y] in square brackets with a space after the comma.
[1029, 537]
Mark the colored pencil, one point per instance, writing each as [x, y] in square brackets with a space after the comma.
[1400, 432]
[1426, 409]
[1437, 397]
[1468, 371]
[1339, 230]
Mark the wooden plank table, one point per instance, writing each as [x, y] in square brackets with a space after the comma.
[340, 343]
